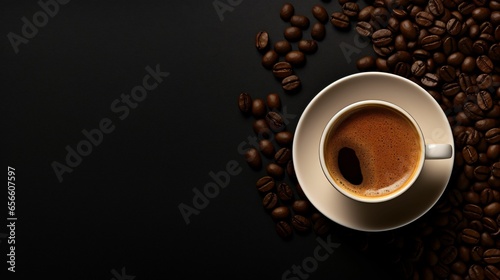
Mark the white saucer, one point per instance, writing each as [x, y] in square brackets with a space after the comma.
[400, 211]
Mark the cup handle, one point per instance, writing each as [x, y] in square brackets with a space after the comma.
[438, 151]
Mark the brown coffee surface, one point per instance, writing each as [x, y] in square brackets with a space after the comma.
[386, 144]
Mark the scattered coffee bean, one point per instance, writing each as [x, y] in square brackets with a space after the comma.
[283, 155]
[366, 63]
[258, 108]
[269, 59]
[382, 37]
[282, 47]
[282, 69]
[262, 41]
[318, 31]
[285, 138]
[470, 236]
[290, 169]
[320, 13]
[293, 33]
[284, 191]
[339, 20]
[287, 11]
[350, 9]
[301, 206]
[275, 121]
[284, 229]
[301, 223]
[273, 101]
[307, 46]
[280, 213]
[275, 171]
[484, 64]
[265, 184]
[245, 103]
[300, 21]
[253, 158]
[270, 201]
[291, 83]
[261, 128]
[364, 28]
[266, 147]
[296, 58]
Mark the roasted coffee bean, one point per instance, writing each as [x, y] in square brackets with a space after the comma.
[493, 152]
[399, 56]
[489, 224]
[265, 184]
[339, 20]
[480, 14]
[449, 45]
[473, 212]
[465, 46]
[262, 41]
[447, 73]
[300, 21]
[287, 11]
[253, 158]
[495, 169]
[269, 59]
[430, 42]
[480, 47]
[383, 51]
[245, 103]
[485, 124]
[364, 28]
[318, 31]
[283, 155]
[301, 223]
[350, 9]
[270, 201]
[484, 64]
[322, 226]
[484, 100]
[275, 121]
[366, 63]
[466, 8]
[284, 191]
[441, 270]
[308, 46]
[470, 154]
[275, 171]
[491, 272]
[365, 13]
[282, 47]
[450, 89]
[448, 255]
[400, 43]
[381, 64]
[494, 52]
[430, 80]
[273, 101]
[454, 27]
[382, 37]
[455, 59]
[284, 229]
[475, 272]
[481, 173]
[296, 58]
[473, 111]
[266, 147]
[484, 81]
[494, 182]
[438, 29]
[470, 236]
[261, 128]
[491, 256]
[408, 30]
[282, 69]
[301, 206]
[492, 209]
[492, 136]
[320, 13]
[284, 138]
[436, 7]
[291, 83]
[418, 68]
[468, 65]
[459, 267]
[424, 19]
[495, 18]
[293, 33]
[402, 69]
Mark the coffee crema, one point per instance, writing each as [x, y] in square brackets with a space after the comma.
[386, 144]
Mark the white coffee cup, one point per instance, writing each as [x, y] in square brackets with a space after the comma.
[423, 152]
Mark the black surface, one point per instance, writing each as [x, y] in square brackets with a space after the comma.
[118, 209]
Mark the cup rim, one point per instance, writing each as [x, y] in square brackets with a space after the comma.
[378, 199]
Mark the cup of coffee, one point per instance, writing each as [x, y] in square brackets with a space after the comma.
[373, 151]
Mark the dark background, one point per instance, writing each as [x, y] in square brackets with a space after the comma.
[117, 211]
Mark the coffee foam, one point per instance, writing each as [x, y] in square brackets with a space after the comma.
[386, 144]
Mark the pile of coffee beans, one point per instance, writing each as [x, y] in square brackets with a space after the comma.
[451, 48]
[281, 194]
